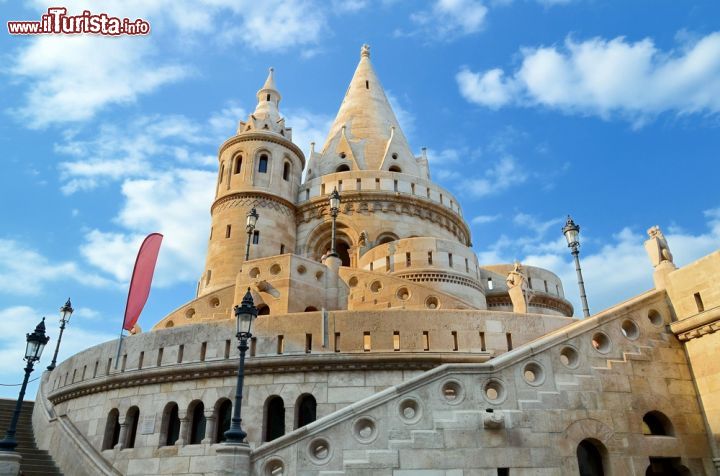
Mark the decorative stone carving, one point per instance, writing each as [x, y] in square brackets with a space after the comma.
[657, 247]
[494, 420]
[517, 289]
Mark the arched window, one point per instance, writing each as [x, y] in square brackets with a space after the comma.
[386, 237]
[305, 410]
[274, 418]
[170, 426]
[263, 164]
[343, 168]
[395, 168]
[224, 416]
[197, 423]
[263, 310]
[238, 164]
[222, 169]
[656, 423]
[286, 171]
[311, 309]
[112, 430]
[131, 420]
[590, 458]
[256, 237]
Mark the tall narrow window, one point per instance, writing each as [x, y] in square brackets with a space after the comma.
[482, 342]
[263, 164]
[396, 341]
[395, 185]
[228, 230]
[339, 186]
[367, 84]
[308, 343]
[208, 276]
[530, 282]
[377, 184]
[224, 417]
[455, 340]
[181, 351]
[358, 184]
[412, 188]
[227, 349]
[286, 171]
[267, 98]
[112, 430]
[122, 367]
[429, 257]
[322, 189]
[367, 342]
[203, 351]
[307, 194]
[426, 340]
[282, 249]
[280, 344]
[699, 302]
[305, 410]
[450, 261]
[274, 418]
[337, 342]
[387, 263]
[253, 346]
[508, 336]
[467, 266]
[256, 237]
[158, 363]
[170, 427]
[222, 170]
[95, 369]
[131, 420]
[441, 198]
[371, 265]
[140, 362]
[428, 192]
[408, 261]
[238, 164]
[197, 423]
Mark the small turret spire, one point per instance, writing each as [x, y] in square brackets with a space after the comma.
[365, 51]
[270, 81]
[268, 99]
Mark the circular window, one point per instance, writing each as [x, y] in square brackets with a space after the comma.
[601, 342]
[432, 302]
[376, 286]
[569, 357]
[169, 324]
[301, 269]
[410, 410]
[254, 273]
[274, 467]
[452, 391]
[319, 275]
[494, 391]
[655, 318]
[534, 374]
[630, 329]
[319, 450]
[214, 302]
[343, 155]
[190, 313]
[365, 430]
[395, 156]
[353, 282]
[275, 269]
[403, 294]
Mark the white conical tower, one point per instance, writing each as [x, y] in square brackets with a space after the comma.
[366, 134]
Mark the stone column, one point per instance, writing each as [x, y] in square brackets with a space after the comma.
[123, 433]
[184, 429]
[210, 422]
[10, 463]
[232, 460]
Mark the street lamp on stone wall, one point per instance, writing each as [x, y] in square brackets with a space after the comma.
[334, 210]
[245, 313]
[250, 222]
[572, 235]
[65, 314]
[33, 350]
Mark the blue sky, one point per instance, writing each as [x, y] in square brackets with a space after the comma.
[530, 109]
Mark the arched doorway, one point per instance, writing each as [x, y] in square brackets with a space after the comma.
[224, 415]
[131, 420]
[112, 430]
[343, 251]
[170, 428]
[197, 424]
[590, 458]
[274, 418]
[319, 242]
[305, 410]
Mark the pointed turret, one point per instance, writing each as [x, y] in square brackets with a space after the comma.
[367, 125]
[267, 114]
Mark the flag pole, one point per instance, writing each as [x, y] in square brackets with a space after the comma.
[117, 358]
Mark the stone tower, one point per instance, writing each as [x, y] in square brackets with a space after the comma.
[260, 168]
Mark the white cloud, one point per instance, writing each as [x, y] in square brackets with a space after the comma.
[449, 19]
[483, 219]
[500, 176]
[24, 271]
[618, 270]
[606, 78]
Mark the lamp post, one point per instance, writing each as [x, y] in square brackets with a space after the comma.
[244, 315]
[334, 209]
[250, 222]
[65, 314]
[572, 235]
[35, 345]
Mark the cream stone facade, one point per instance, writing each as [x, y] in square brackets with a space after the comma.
[400, 356]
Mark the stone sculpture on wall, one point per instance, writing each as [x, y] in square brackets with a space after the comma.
[657, 247]
[517, 289]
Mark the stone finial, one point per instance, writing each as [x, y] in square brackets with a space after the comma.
[365, 51]
[657, 247]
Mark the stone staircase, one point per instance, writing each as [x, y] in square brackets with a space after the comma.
[35, 462]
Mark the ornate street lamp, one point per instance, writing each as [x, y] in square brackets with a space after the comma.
[65, 314]
[35, 345]
[334, 209]
[572, 235]
[251, 221]
[245, 313]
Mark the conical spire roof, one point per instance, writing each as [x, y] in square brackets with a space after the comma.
[371, 127]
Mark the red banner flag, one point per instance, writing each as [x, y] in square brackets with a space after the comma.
[141, 279]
